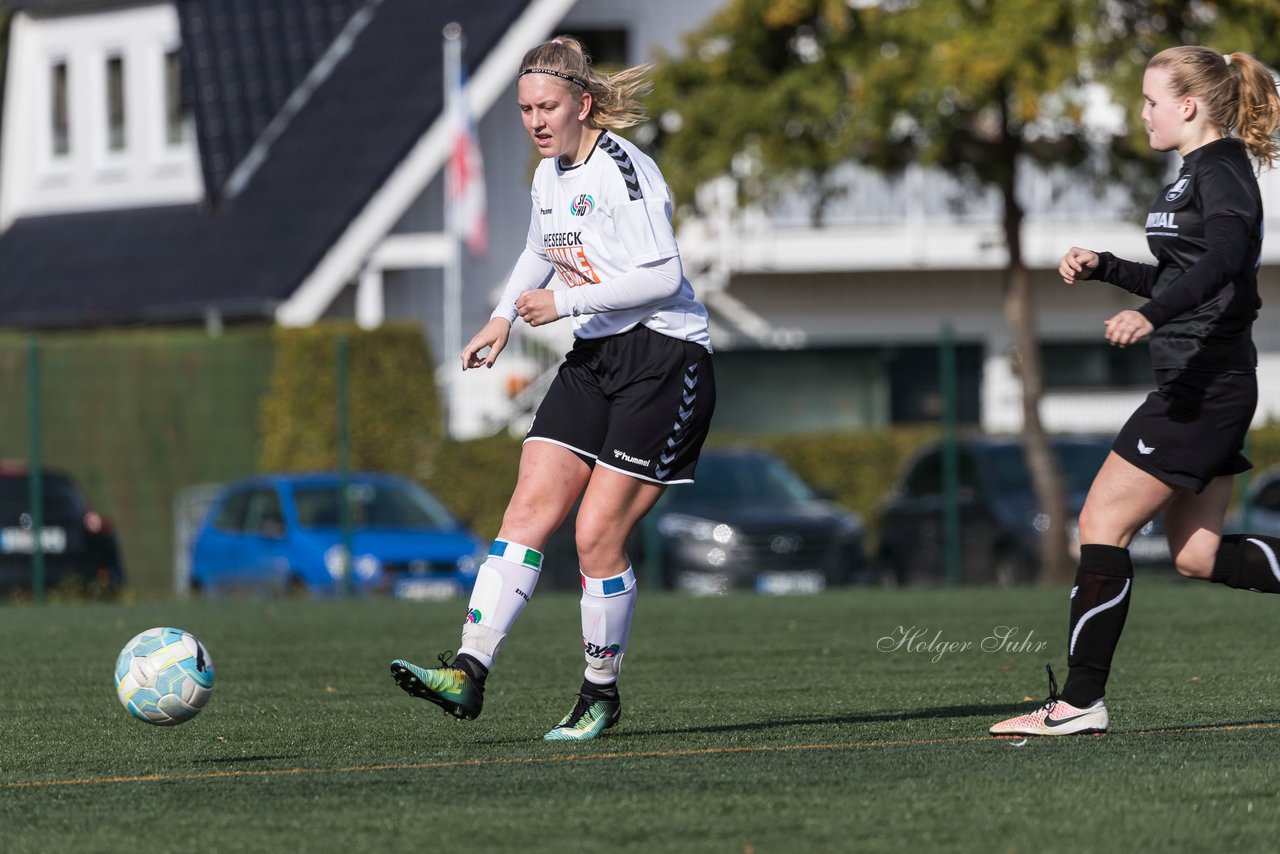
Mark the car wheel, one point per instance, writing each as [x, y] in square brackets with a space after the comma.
[295, 587]
[888, 572]
[1006, 568]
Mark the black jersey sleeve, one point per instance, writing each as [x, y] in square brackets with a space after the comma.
[1227, 241]
[1134, 276]
[1227, 185]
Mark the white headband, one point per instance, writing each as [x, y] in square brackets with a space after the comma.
[1227, 57]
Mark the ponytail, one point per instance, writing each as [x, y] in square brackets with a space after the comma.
[1257, 107]
[1238, 91]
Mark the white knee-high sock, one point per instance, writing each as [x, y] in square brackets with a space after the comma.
[503, 587]
[607, 606]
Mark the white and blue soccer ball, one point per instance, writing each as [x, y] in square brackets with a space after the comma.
[164, 676]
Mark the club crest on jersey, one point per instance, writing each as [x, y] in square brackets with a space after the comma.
[1177, 189]
[582, 205]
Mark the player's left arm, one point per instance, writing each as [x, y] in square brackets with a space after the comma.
[1230, 216]
[649, 284]
[1228, 240]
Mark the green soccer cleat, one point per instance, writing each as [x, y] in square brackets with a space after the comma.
[451, 688]
[590, 717]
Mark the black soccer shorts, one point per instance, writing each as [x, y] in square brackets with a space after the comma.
[638, 402]
[1192, 428]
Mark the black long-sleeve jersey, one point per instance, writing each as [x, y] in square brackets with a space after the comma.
[1205, 230]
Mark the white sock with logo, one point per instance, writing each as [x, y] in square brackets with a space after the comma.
[607, 606]
[503, 587]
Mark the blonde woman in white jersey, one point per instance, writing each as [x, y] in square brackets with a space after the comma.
[631, 405]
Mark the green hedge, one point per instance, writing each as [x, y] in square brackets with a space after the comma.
[474, 479]
[395, 418]
[856, 469]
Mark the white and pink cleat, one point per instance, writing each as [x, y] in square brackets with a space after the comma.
[1056, 717]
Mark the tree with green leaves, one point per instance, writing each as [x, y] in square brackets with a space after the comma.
[979, 88]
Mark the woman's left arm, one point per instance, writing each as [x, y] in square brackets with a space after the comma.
[648, 284]
[1227, 239]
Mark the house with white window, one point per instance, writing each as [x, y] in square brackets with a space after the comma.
[206, 162]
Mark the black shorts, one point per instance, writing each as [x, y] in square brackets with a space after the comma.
[1192, 428]
[638, 402]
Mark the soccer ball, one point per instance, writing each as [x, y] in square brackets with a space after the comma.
[164, 676]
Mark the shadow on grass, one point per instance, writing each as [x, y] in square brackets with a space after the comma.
[219, 760]
[827, 720]
[992, 711]
[814, 720]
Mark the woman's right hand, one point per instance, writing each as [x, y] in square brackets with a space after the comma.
[494, 336]
[1077, 264]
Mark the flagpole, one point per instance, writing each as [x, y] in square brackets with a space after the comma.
[453, 268]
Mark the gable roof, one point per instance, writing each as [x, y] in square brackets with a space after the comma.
[243, 62]
[245, 255]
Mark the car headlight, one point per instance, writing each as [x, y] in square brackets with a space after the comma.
[335, 561]
[366, 566]
[851, 522]
[696, 528]
[470, 564]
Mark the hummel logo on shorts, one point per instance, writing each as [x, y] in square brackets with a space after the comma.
[1143, 449]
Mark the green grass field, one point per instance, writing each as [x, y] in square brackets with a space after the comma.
[750, 725]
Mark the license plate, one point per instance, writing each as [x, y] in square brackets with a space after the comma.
[1149, 548]
[702, 583]
[53, 540]
[789, 583]
[427, 589]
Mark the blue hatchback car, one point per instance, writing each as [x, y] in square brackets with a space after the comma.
[282, 533]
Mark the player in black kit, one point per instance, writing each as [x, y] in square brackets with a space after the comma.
[1179, 451]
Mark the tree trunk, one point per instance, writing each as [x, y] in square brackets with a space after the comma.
[1046, 476]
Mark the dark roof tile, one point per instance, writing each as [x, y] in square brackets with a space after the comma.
[252, 251]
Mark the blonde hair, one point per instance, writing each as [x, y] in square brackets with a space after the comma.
[1238, 91]
[614, 97]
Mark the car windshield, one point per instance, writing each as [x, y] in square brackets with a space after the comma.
[373, 505]
[745, 479]
[61, 500]
[1007, 466]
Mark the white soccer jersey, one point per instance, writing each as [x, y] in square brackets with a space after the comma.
[603, 218]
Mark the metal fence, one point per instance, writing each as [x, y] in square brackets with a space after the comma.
[137, 418]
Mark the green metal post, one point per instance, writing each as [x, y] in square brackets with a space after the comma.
[950, 465]
[343, 362]
[35, 469]
[652, 551]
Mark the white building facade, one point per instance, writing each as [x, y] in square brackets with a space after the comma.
[93, 115]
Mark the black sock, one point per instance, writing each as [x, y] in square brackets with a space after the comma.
[1099, 605]
[599, 692]
[473, 668]
[1248, 562]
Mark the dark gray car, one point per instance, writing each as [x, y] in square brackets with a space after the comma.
[748, 522]
[1000, 520]
[79, 547]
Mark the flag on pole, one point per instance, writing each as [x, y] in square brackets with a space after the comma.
[465, 172]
